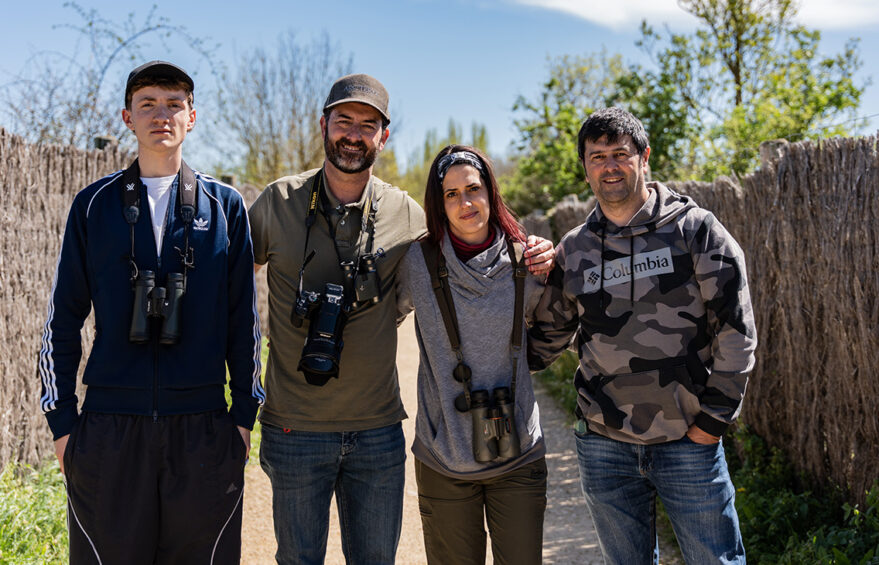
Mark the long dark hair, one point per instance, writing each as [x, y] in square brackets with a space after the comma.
[500, 217]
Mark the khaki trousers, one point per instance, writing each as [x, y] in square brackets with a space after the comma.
[454, 512]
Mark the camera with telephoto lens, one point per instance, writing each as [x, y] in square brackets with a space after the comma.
[156, 302]
[306, 303]
[494, 425]
[326, 314]
[362, 277]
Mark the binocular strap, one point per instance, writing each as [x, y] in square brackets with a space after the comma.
[439, 278]
[187, 191]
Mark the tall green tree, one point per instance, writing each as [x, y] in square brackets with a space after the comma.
[748, 74]
[547, 168]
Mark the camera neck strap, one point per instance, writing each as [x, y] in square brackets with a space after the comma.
[317, 198]
[439, 279]
[187, 206]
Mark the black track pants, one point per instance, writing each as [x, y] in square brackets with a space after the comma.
[165, 491]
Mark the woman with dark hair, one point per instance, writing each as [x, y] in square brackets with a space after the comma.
[479, 450]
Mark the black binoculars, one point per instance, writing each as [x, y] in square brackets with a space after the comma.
[494, 425]
[362, 278]
[156, 302]
[327, 315]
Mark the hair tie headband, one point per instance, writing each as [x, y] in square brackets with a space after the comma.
[458, 158]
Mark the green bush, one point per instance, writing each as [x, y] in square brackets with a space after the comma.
[785, 523]
[33, 514]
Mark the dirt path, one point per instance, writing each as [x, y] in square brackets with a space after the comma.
[568, 533]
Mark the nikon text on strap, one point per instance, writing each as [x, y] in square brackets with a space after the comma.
[187, 197]
[439, 279]
[316, 198]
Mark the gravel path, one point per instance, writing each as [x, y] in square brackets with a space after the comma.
[569, 536]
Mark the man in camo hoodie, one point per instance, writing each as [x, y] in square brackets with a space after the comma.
[655, 290]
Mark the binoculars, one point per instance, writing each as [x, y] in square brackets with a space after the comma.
[363, 279]
[494, 425]
[156, 302]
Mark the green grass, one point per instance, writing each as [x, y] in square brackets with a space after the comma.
[33, 515]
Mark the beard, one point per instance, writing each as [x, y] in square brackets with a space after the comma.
[351, 165]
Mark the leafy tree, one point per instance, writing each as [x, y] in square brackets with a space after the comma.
[70, 97]
[274, 102]
[548, 167]
[748, 74]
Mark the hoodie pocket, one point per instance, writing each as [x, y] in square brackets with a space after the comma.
[650, 406]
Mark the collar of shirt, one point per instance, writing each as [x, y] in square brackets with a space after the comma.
[336, 205]
[348, 220]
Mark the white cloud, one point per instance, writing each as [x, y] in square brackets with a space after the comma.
[620, 14]
[617, 14]
[839, 14]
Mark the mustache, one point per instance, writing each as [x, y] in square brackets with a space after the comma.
[357, 144]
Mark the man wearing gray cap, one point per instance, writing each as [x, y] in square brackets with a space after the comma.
[333, 238]
[153, 459]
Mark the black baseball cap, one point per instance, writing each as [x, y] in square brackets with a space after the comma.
[161, 69]
[359, 88]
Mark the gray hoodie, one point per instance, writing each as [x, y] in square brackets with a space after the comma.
[484, 296]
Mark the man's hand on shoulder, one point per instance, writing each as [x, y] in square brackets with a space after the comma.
[539, 255]
[698, 435]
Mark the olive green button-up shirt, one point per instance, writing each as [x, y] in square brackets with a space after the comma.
[366, 394]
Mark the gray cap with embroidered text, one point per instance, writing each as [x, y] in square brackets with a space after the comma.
[359, 88]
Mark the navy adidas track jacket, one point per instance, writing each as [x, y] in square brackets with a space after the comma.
[219, 323]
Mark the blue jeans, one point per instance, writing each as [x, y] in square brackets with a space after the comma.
[365, 469]
[621, 480]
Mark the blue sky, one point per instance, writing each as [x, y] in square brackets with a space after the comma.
[440, 59]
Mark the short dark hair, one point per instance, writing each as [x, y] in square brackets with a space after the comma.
[613, 122]
[435, 209]
[162, 82]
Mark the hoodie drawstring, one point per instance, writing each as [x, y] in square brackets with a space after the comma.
[632, 272]
[603, 225]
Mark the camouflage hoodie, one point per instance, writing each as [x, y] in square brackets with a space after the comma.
[658, 353]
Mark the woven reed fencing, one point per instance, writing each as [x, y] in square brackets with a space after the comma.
[808, 221]
[37, 185]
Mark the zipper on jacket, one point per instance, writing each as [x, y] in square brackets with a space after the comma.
[156, 339]
[155, 380]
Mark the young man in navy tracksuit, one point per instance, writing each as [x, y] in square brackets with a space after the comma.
[154, 462]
